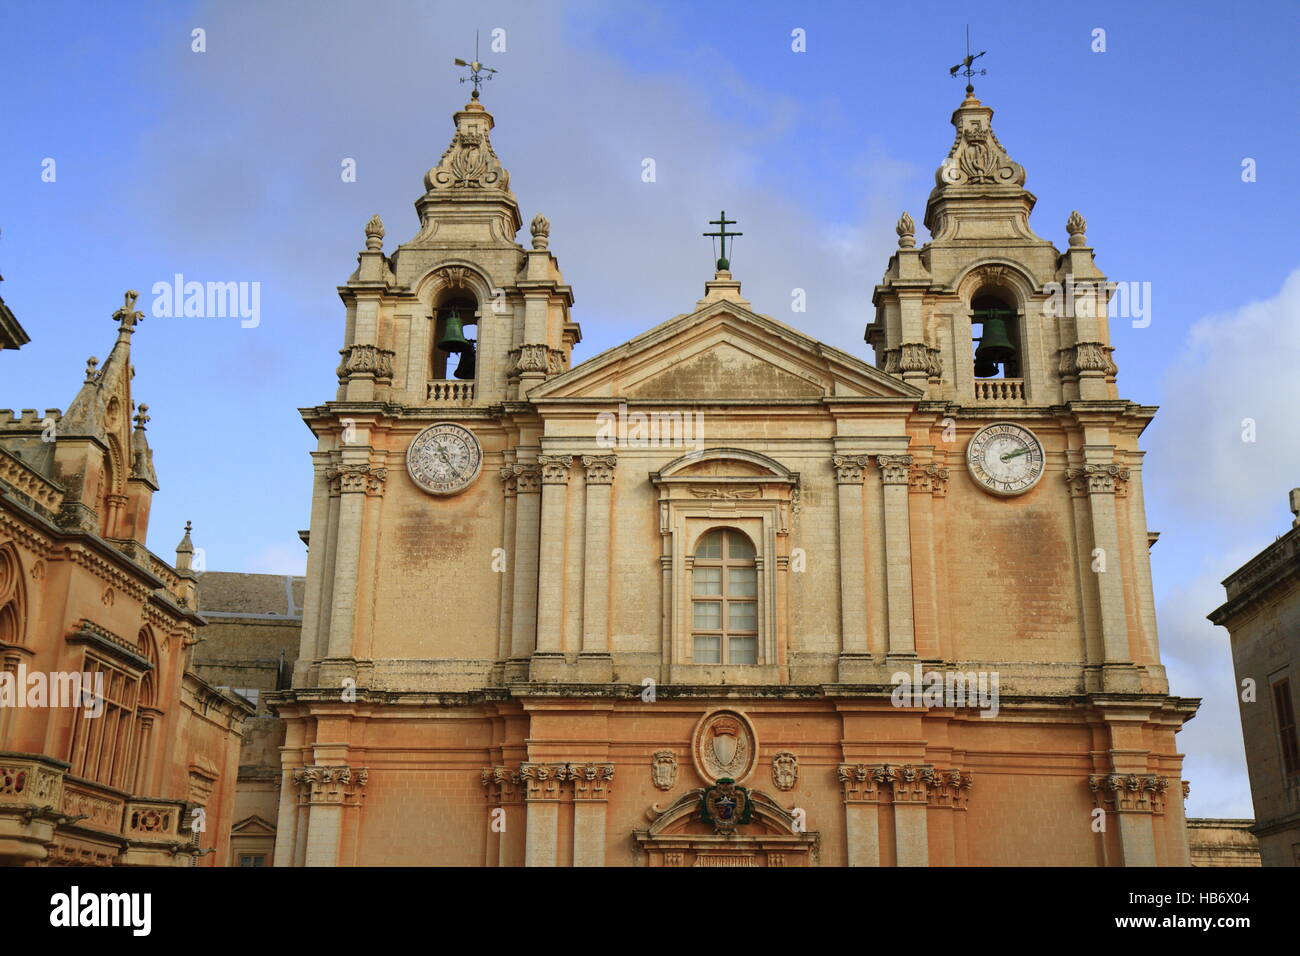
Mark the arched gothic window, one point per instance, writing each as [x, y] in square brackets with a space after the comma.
[724, 599]
[13, 616]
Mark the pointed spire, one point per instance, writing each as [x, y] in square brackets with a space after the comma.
[100, 406]
[185, 550]
[141, 453]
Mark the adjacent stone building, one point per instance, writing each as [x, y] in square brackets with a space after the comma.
[1262, 615]
[254, 622]
[113, 751]
[651, 609]
[1215, 842]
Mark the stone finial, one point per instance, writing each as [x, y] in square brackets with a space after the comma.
[1076, 226]
[91, 363]
[906, 229]
[1295, 507]
[541, 230]
[142, 417]
[128, 316]
[375, 234]
[185, 551]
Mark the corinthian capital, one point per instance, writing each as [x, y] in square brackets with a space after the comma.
[599, 468]
[848, 468]
[555, 468]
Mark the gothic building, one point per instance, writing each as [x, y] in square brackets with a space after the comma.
[725, 595]
[113, 752]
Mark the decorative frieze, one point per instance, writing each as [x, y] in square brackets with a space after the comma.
[599, 468]
[1097, 480]
[340, 785]
[366, 360]
[894, 469]
[905, 783]
[914, 358]
[545, 781]
[1139, 793]
[356, 479]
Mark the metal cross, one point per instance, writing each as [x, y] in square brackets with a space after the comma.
[965, 65]
[722, 222]
[476, 70]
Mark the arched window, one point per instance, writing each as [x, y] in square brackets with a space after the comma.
[724, 599]
[453, 344]
[997, 346]
[12, 612]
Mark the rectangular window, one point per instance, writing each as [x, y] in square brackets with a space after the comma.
[708, 650]
[1284, 715]
[252, 859]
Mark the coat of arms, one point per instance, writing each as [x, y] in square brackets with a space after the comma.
[725, 805]
[663, 770]
[724, 746]
[785, 770]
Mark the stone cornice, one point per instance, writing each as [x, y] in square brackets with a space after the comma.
[1270, 571]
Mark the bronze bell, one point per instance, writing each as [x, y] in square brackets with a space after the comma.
[995, 346]
[465, 367]
[453, 335]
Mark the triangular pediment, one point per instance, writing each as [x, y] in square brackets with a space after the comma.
[723, 352]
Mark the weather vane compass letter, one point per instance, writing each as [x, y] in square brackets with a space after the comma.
[478, 73]
[964, 68]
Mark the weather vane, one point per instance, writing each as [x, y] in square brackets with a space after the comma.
[964, 67]
[722, 222]
[476, 70]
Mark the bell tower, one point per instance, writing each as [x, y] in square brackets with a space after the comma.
[461, 315]
[988, 312]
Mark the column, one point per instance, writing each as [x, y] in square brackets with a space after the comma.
[592, 784]
[548, 658]
[328, 791]
[894, 470]
[1100, 482]
[542, 796]
[861, 813]
[523, 618]
[595, 662]
[911, 807]
[853, 556]
[354, 482]
[510, 491]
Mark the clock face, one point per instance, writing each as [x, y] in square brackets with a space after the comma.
[444, 459]
[1005, 459]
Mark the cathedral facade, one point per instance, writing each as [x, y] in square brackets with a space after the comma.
[725, 595]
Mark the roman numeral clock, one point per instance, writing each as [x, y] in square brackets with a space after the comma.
[1005, 458]
[444, 459]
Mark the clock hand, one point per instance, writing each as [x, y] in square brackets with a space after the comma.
[1015, 454]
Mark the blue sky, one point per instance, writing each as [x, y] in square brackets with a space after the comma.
[225, 165]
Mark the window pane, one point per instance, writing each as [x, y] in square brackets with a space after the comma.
[742, 582]
[738, 546]
[710, 545]
[742, 617]
[707, 580]
[742, 650]
[708, 615]
[708, 650]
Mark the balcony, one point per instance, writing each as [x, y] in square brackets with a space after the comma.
[1000, 391]
[450, 392]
